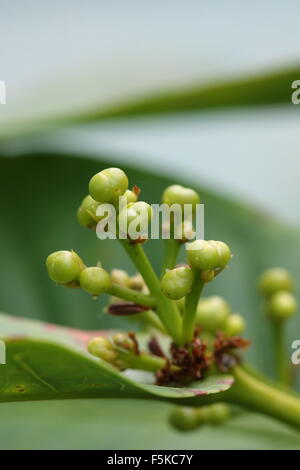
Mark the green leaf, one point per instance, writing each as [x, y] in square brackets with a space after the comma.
[59, 368]
[273, 87]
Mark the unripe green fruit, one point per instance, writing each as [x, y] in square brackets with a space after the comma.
[108, 185]
[94, 280]
[219, 413]
[282, 305]
[274, 280]
[235, 325]
[184, 418]
[202, 255]
[212, 313]
[64, 266]
[224, 253]
[177, 282]
[177, 194]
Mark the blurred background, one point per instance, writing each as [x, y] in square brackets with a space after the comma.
[195, 92]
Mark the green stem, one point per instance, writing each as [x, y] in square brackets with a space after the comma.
[166, 309]
[171, 252]
[132, 295]
[191, 303]
[279, 351]
[261, 396]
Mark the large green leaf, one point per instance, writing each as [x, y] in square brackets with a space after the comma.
[273, 87]
[46, 362]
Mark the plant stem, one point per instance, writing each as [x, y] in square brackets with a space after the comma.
[279, 351]
[171, 252]
[166, 309]
[191, 303]
[261, 396]
[132, 295]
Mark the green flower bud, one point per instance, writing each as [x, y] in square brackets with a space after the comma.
[64, 266]
[131, 196]
[282, 305]
[212, 313]
[177, 194]
[137, 211]
[108, 185]
[235, 325]
[223, 252]
[137, 283]
[208, 275]
[184, 418]
[202, 255]
[177, 282]
[102, 348]
[219, 413]
[123, 341]
[120, 277]
[274, 280]
[94, 280]
[86, 214]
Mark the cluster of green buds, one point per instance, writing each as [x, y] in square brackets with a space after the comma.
[187, 419]
[67, 268]
[114, 351]
[106, 187]
[277, 286]
[214, 313]
[169, 304]
[208, 258]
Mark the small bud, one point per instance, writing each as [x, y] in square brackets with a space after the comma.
[137, 283]
[208, 275]
[140, 211]
[130, 196]
[274, 280]
[282, 305]
[123, 341]
[235, 325]
[108, 185]
[177, 282]
[86, 214]
[64, 266]
[223, 252]
[202, 255]
[120, 277]
[212, 313]
[101, 347]
[184, 418]
[177, 194]
[94, 280]
[219, 413]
